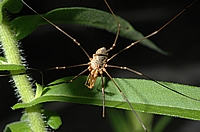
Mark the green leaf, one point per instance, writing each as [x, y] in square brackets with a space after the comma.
[13, 6]
[53, 119]
[4, 66]
[11, 67]
[144, 96]
[3, 60]
[39, 89]
[20, 126]
[80, 16]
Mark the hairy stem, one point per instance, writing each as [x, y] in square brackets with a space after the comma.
[21, 82]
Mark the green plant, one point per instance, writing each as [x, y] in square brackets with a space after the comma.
[164, 102]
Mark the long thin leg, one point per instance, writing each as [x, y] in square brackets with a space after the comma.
[67, 81]
[155, 32]
[6, 73]
[65, 67]
[34, 69]
[28, 71]
[118, 29]
[141, 74]
[59, 29]
[132, 109]
[103, 95]
[22, 73]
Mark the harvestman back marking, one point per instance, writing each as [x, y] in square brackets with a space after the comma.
[98, 63]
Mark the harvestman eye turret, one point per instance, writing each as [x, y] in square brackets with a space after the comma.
[98, 63]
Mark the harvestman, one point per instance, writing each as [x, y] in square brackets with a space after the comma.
[98, 62]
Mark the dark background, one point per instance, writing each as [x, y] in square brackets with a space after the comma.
[47, 47]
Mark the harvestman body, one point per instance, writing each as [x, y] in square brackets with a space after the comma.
[98, 63]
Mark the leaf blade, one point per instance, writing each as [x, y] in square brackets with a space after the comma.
[81, 16]
[20, 126]
[11, 67]
[13, 6]
[158, 101]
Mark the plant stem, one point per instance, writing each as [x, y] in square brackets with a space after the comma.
[24, 89]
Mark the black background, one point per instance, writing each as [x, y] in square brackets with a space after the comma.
[47, 47]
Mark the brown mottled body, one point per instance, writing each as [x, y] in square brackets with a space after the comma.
[96, 66]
